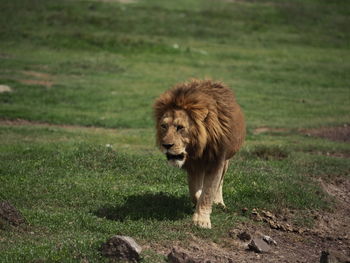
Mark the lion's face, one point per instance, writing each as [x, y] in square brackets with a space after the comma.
[174, 136]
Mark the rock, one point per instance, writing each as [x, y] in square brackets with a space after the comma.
[178, 255]
[269, 240]
[258, 245]
[333, 257]
[122, 247]
[244, 236]
[10, 214]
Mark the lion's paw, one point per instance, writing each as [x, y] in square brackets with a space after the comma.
[220, 204]
[202, 220]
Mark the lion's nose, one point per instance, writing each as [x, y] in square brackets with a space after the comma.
[167, 146]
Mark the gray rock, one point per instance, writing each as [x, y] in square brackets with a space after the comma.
[258, 245]
[122, 247]
[269, 240]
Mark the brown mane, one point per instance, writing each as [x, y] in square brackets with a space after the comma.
[217, 122]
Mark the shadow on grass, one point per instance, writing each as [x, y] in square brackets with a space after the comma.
[157, 206]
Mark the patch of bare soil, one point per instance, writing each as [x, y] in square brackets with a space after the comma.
[36, 74]
[45, 83]
[341, 134]
[22, 122]
[10, 215]
[269, 130]
[40, 78]
[336, 224]
[331, 153]
[328, 239]
[270, 153]
[4, 55]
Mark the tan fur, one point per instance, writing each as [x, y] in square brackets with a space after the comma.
[200, 127]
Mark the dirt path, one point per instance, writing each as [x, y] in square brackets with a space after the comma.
[22, 122]
[330, 236]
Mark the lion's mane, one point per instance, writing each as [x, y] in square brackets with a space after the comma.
[217, 121]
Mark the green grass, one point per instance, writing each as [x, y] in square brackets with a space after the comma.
[287, 61]
[75, 192]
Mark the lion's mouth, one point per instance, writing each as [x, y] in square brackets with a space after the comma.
[179, 157]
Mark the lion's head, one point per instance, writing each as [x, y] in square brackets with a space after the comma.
[174, 136]
[183, 115]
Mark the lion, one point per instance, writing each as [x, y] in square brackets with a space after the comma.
[200, 127]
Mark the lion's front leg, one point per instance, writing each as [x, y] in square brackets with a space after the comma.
[211, 183]
[218, 198]
[195, 184]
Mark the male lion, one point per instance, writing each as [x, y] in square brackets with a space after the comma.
[199, 128]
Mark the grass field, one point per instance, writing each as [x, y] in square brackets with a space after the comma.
[84, 75]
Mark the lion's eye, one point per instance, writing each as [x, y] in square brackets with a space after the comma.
[163, 126]
[179, 127]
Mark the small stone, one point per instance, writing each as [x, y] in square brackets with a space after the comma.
[244, 236]
[289, 228]
[269, 240]
[122, 247]
[273, 224]
[268, 214]
[5, 88]
[282, 227]
[300, 230]
[258, 245]
[256, 216]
